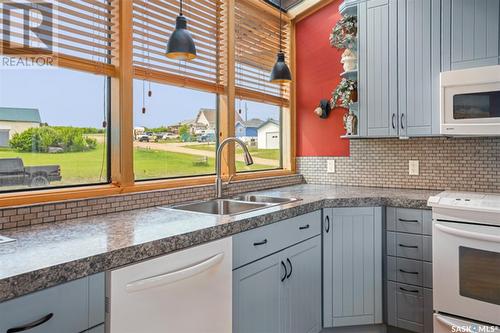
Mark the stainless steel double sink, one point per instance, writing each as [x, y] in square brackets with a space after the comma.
[237, 205]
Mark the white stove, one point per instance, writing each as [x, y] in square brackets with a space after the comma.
[466, 261]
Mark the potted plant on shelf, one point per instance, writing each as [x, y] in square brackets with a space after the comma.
[344, 36]
[345, 94]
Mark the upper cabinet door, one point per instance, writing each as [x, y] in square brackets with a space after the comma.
[470, 33]
[378, 61]
[419, 55]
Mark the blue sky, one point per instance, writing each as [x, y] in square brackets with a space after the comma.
[66, 97]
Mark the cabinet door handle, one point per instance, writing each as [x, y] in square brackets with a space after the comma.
[410, 221]
[402, 120]
[408, 272]
[327, 227]
[260, 243]
[409, 246]
[304, 227]
[291, 268]
[284, 266]
[394, 121]
[409, 290]
[34, 324]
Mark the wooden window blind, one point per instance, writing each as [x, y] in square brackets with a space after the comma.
[257, 43]
[154, 21]
[82, 32]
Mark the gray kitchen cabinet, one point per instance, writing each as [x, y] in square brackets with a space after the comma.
[257, 296]
[352, 266]
[419, 64]
[277, 288]
[470, 36]
[71, 307]
[303, 287]
[377, 68]
[409, 269]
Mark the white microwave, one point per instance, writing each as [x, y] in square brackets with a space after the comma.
[470, 102]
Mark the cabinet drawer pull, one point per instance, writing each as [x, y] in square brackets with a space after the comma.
[409, 246]
[410, 221]
[409, 290]
[408, 272]
[304, 227]
[284, 266]
[291, 268]
[260, 243]
[327, 227]
[29, 326]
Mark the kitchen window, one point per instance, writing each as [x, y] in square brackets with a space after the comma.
[144, 121]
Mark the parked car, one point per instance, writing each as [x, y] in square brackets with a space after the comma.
[209, 137]
[144, 138]
[13, 172]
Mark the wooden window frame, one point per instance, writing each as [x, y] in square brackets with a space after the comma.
[122, 74]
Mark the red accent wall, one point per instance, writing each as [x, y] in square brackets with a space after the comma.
[318, 67]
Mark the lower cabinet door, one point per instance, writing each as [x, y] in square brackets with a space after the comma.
[257, 296]
[303, 287]
[352, 266]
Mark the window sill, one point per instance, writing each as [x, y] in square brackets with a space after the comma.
[97, 191]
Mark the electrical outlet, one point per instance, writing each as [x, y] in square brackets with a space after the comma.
[330, 166]
[413, 168]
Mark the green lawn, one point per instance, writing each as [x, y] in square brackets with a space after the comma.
[271, 154]
[85, 167]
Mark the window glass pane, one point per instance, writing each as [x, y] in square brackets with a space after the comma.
[259, 125]
[51, 128]
[175, 135]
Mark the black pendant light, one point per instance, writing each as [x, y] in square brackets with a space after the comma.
[181, 46]
[281, 72]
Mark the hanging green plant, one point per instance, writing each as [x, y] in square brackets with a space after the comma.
[343, 35]
[345, 94]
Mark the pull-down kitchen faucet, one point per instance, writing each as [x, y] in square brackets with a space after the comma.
[246, 156]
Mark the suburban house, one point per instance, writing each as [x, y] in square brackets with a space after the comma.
[248, 128]
[16, 120]
[268, 135]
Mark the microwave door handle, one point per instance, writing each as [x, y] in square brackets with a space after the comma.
[171, 277]
[468, 234]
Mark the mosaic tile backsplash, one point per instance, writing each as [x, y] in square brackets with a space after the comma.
[464, 164]
[46, 213]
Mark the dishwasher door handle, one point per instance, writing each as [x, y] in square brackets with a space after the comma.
[171, 277]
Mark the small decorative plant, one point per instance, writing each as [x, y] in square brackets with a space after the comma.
[345, 94]
[343, 35]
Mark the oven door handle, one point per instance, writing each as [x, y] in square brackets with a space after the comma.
[447, 321]
[467, 234]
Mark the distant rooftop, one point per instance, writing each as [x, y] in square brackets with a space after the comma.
[20, 115]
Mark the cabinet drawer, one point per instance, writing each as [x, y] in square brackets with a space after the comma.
[409, 246]
[62, 309]
[260, 242]
[427, 268]
[416, 221]
[405, 271]
[409, 307]
[427, 248]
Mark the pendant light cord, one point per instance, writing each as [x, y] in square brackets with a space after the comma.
[281, 48]
[180, 8]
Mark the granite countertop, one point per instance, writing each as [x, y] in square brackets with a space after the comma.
[50, 254]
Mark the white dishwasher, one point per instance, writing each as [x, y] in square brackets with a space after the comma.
[189, 291]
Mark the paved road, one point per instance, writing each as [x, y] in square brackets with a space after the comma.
[181, 148]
